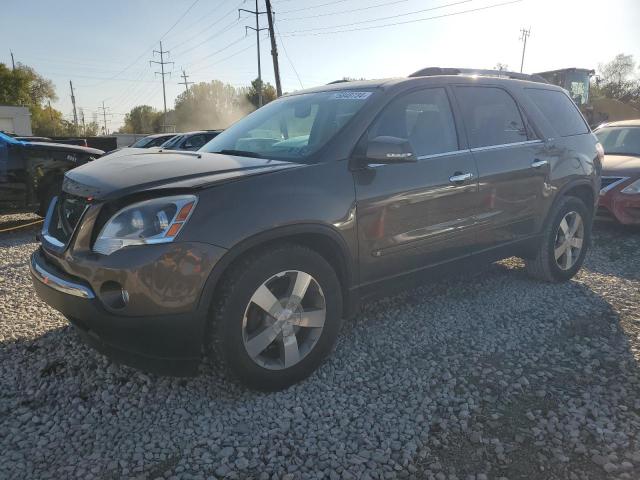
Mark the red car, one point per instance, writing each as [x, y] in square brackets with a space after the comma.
[620, 191]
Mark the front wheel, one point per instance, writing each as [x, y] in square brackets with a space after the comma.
[564, 244]
[277, 316]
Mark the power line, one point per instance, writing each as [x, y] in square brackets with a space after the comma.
[453, 14]
[386, 17]
[288, 58]
[524, 34]
[220, 50]
[224, 58]
[181, 17]
[369, 7]
[314, 6]
[217, 34]
[208, 27]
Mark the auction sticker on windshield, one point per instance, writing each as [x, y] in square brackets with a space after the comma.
[350, 95]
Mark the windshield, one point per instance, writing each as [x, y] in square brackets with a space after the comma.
[291, 128]
[172, 142]
[620, 140]
[142, 142]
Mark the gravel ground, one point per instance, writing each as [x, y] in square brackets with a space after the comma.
[488, 376]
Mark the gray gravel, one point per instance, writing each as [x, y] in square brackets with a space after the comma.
[483, 377]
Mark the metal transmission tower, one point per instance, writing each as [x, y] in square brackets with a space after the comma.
[184, 82]
[162, 63]
[75, 113]
[257, 29]
[104, 118]
[524, 34]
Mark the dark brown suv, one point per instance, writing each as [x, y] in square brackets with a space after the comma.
[261, 242]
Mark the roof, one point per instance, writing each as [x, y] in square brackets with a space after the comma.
[158, 135]
[455, 75]
[570, 69]
[624, 123]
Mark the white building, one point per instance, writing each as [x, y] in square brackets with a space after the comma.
[16, 120]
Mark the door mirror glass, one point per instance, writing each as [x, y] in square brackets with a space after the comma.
[385, 149]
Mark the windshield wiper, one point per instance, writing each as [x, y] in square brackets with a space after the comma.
[240, 153]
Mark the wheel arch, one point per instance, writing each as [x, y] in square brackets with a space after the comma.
[318, 237]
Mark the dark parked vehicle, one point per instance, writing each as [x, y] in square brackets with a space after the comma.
[152, 140]
[31, 173]
[620, 194]
[260, 243]
[190, 140]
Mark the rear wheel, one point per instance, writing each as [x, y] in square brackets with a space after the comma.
[277, 316]
[566, 238]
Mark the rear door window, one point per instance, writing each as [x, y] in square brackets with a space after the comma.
[424, 118]
[491, 116]
[559, 110]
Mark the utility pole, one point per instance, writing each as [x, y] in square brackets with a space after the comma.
[75, 113]
[274, 49]
[104, 118]
[162, 63]
[257, 29]
[13, 63]
[51, 117]
[84, 127]
[524, 34]
[185, 83]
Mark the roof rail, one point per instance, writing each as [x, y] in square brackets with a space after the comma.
[431, 71]
[343, 80]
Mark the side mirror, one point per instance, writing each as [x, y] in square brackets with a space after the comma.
[388, 150]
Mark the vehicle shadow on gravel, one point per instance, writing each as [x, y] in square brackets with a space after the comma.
[490, 374]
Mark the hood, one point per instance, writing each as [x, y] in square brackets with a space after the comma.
[116, 176]
[63, 147]
[627, 165]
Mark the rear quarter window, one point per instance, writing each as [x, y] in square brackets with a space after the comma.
[559, 110]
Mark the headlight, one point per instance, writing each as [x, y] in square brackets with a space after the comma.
[633, 188]
[153, 221]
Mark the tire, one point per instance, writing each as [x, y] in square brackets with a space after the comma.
[235, 313]
[544, 265]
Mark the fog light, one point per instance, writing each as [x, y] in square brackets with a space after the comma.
[114, 295]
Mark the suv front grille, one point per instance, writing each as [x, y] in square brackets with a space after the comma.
[63, 219]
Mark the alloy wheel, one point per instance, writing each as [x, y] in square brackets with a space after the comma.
[284, 320]
[569, 240]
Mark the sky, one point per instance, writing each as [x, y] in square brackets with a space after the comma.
[104, 46]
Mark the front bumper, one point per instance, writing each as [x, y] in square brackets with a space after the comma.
[623, 208]
[168, 344]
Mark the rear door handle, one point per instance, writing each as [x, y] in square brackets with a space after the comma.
[460, 177]
[539, 163]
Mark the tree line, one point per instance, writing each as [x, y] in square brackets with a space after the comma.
[205, 105]
[215, 104]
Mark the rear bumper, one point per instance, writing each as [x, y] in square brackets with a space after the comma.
[623, 208]
[163, 344]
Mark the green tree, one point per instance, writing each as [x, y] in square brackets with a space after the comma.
[616, 79]
[268, 92]
[24, 86]
[142, 119]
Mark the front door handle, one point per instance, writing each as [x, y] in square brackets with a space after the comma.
[539, 163]
[460, 177]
